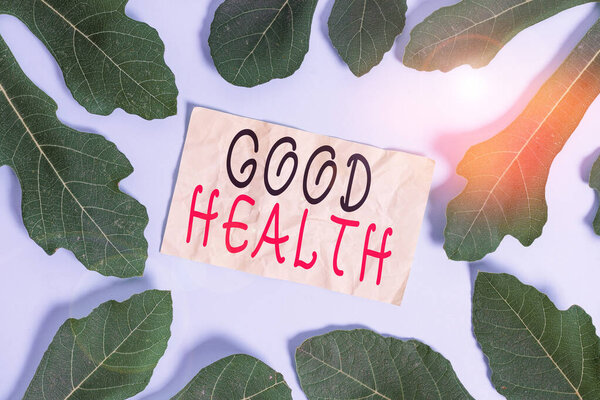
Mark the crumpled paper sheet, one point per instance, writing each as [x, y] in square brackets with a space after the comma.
[400, 184]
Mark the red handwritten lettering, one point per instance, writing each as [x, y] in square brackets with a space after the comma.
[208, 216]
[230, 224]
[275, 240]
[297, 261]
[344, 223]
[381, 255]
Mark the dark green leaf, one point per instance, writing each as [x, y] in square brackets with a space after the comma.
[363, 31]
[360, 364]
[237, 377]
[473, 31]
[110, 354]
[69, 180]
[507, 174]
[595, 184]
[108, 59]
[535, 351]
[252, 42]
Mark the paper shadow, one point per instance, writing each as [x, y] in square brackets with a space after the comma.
[453, 146]
[120, 290]
[202, 355]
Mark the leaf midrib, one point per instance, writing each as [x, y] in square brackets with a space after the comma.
[74, 27]
[345, 374]
[262, 391]
[62, 181]
[494, 16]
[219, 377]
[437, 388]
[518, 154]
[286, 2]
[576, 390]
[362, 20]
[101, 363]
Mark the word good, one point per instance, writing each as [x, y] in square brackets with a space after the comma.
[288, 204]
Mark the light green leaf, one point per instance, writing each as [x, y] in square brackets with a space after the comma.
[360, 364]
[68, 180]
[595, 184]
[507, 174]
[473, 31]
[535, 351]
[237, 377]
[110, 354]
[252, 42]
[108, 59]
[362, 31]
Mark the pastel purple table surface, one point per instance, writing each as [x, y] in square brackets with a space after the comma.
[217, 311]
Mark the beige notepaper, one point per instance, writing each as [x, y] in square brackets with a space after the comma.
[327, 212]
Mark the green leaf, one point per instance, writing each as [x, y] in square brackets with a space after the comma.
[363, 31]
[507, 174]
[110, 354]
[68, 180]
[252, 42]
[535, 351]
[237, 377]
[360, 364]
[473, 31]
[108, 59]
[595, 184]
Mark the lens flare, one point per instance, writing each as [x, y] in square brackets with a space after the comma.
[470, 86]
